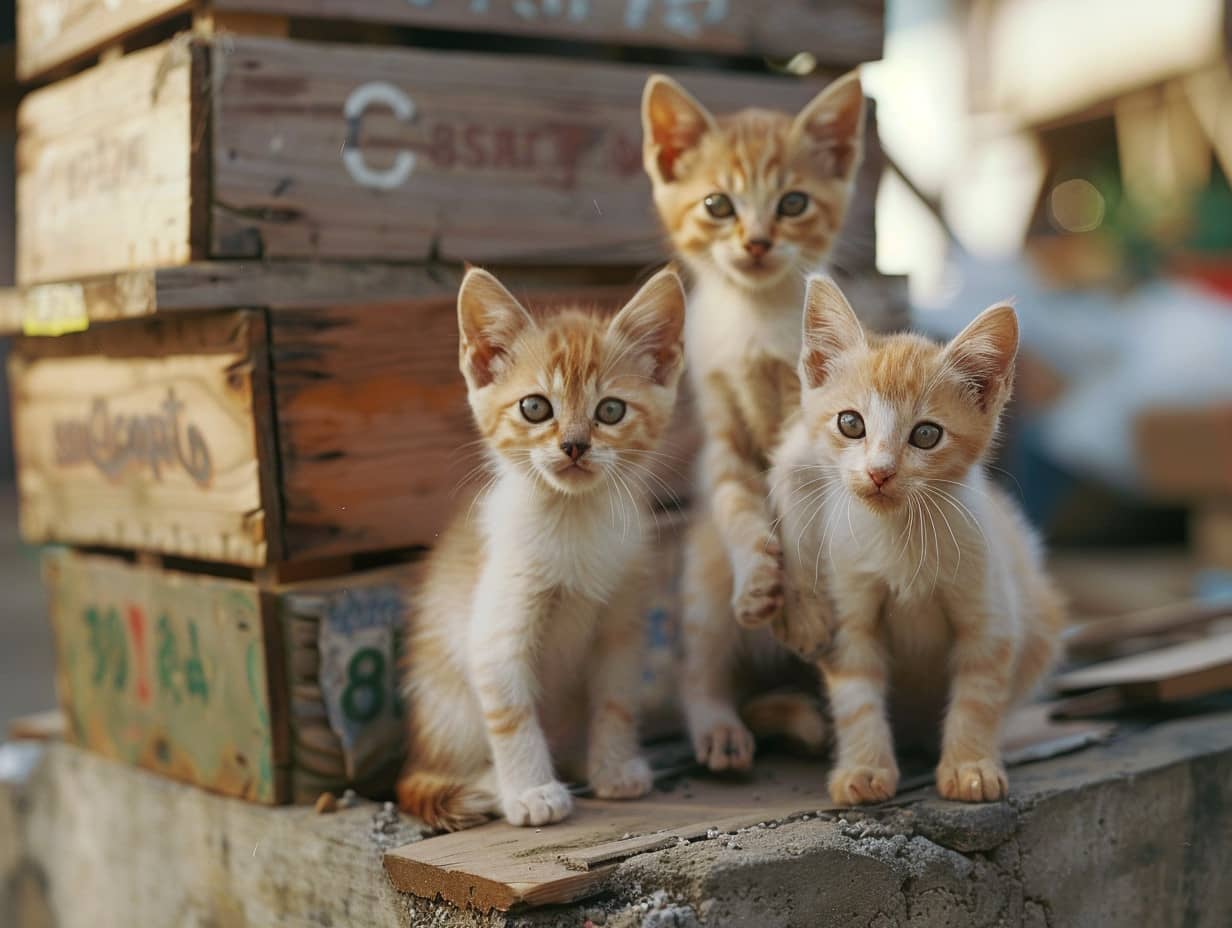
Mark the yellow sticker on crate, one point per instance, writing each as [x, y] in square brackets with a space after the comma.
[55, 309]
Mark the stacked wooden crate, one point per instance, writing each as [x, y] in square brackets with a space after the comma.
[240, 229]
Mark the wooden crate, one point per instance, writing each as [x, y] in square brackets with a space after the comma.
[255, 437]
[56, 33]
[265, 692]
[243, 147]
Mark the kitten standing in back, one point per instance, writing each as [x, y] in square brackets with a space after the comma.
[943, 614]
[753, 202]
[524, 650]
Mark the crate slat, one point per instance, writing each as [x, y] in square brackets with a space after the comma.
[55, 33]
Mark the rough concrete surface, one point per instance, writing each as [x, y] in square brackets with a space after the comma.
[1137, 832]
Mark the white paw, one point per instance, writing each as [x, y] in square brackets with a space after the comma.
[725, 745]
[627, 780]
[540, 805]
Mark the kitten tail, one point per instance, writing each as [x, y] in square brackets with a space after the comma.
[443, 802]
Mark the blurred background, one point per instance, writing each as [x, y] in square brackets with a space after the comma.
[1071, 154]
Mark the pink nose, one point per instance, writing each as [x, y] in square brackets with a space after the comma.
[880, 475]
[757, 247]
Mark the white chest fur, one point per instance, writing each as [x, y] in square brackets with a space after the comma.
[581, 545]
[725, 324]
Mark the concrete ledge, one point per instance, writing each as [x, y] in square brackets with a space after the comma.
[1137, 832]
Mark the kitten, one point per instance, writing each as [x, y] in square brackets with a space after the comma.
[752, 202]
[941, 603]
[525, 646]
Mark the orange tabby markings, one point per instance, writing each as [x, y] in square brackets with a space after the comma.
[881, 487]
[752, 202]
[526, 634]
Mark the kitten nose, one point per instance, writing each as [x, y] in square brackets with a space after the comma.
[574, 449]
[881, 475]
[757, 247]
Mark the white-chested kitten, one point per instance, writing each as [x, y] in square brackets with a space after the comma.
[943, 614]
[524, 649]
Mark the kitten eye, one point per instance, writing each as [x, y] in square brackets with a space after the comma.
[719, 205]
[535, 408]
[793, 203]
[925, 435]
[851, 424]
[610, 411]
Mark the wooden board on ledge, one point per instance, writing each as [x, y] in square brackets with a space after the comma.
[499, 867]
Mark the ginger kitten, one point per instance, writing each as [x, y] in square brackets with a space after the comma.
[524, 651]
[752, 202]
[942, 612]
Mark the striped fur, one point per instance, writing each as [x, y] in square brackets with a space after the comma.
[523, 653]
[943, 615]
[743, 339]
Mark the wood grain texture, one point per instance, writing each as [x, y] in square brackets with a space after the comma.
[293, 150]
[500, 867]
[147, 435]
[47, 309]
[481, 145]
[168, 671]
[53, 33]
[374, 431]
[106, 173]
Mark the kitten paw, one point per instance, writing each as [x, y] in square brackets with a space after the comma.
[539, 805]
[804, 628]
[758, 597]
[982, 780]
[859, 785]
[726, 745]
[627, 780]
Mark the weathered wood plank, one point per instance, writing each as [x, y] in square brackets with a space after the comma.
[146, 435]
[293, 149]
[374, 432]
[168, 671]
[356, 152]
[56, 308]
[53, 33]
[107, 179]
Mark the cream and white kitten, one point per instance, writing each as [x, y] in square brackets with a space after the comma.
[524, 649]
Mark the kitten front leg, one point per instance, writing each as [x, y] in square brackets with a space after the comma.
[856, 675]
[615, 765]
[982, 666]
[806, 625]
[504, 628]
[738, 504]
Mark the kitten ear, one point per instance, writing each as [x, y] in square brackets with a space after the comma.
[673, 122]
[983, 354]
[489, 320]
[830, 328]
[829, 131]
[653, 323]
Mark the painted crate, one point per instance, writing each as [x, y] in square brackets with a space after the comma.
[255, 437]
[244, 147]
[266, 693]
[55, 33]
[270, 693]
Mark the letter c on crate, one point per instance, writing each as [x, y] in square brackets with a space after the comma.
[362, 97]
